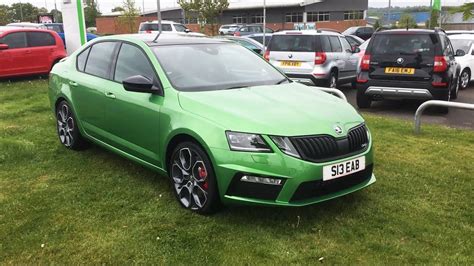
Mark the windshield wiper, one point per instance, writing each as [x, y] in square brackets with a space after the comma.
[281, 81]
[236, 87]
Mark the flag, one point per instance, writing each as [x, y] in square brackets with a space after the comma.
[437, 5]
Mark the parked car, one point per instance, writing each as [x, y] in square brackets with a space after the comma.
[27, 25]
[228, 29]
[246, 42]
[28, 51]
[464, 42]
[259, 37]
[322, 58]
[363, 32]
[360, 52]
[166, 27]
[452, 32]
[408, 64]
[354, 41]
[222, 123]
[249, 29]
[58, 27]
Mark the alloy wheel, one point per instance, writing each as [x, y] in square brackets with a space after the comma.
[190, 178]
[65, 124]
[333, 82]
[464, 79]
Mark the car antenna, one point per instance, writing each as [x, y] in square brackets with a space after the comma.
[158, 13]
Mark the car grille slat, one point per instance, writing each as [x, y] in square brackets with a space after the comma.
[323, 148]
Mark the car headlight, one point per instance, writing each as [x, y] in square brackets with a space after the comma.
[246, 142]
[285, 145]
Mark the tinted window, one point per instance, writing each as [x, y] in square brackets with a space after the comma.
[464, 45]
[132, 61]
[36, 39]
[293, 43]
[202, 67]
[345, 44]
[154, 27]
[404, 44]
[335, 44]
[82, 58]
[180, 28]
[100, 58]
[55, 28]
[15, 40]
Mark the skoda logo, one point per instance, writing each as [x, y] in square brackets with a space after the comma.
[338, 129]
[290, 56]
[400, 61]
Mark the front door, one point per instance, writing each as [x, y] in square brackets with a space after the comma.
[16, 59]
[42, 45]
[132, 118]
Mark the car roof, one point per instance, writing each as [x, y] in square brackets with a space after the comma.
[462, 36]
[25, 24]
[259, 35]
[307, 32]
[409, 30]
[163, 21]
[8, 29]
[175, 39]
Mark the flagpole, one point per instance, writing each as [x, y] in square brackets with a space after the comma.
[264, 23]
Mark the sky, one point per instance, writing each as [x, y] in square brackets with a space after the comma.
[105, 6]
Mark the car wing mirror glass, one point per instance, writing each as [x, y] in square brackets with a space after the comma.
[355, 50]
[139, 83]
[3, 46]
[460, 52]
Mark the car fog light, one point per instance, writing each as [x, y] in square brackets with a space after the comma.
[261, 180]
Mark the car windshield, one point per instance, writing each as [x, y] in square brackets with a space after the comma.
[204, 67]
[464, 45]
[180, 27]
[404, 44]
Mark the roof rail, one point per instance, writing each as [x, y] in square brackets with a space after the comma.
[327, 29]
[436, 29]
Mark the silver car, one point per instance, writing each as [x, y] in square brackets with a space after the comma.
[314, 57]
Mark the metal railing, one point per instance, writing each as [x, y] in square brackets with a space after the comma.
[423, 106]
[335, 92]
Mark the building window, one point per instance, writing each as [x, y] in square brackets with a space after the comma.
[353, 14]
[294, 17]
[258, 18]
[317, 16]
[239, 19]
[191, 21]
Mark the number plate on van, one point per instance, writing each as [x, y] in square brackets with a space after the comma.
[290, 63]
[400, 70]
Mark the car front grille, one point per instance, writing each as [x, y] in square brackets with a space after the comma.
[323, 148]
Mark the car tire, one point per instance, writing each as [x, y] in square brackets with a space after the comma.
[454, 91]
[464, 79]
[193, 178]
[67, 128]
[363, 101]
[331, 82]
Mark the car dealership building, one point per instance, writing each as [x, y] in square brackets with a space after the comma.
[334, 14]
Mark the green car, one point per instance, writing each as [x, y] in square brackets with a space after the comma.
[223, 124]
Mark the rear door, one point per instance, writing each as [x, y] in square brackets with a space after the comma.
[338, 55]
[293, 53]
[42, 46]
[402, 56]
[350, 59]
[14, 60]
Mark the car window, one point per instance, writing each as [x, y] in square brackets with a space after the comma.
[293, 43]
[81, 59]
[55, 28]
[404, 44]
[247, 44]
[15, 40]
[131, 61]
[204, 67]
[37, 39]
[345, 44]
[352, 41]
[335, 44]
[180, 28]
[325, 44]
[244, 29]
[256, 29]
[100, 59]
[154, 27]
[449, 47]
[459, 44]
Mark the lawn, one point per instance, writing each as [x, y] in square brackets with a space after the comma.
[63, 207]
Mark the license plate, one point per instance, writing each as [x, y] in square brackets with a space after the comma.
[290, 63]
[342, 169]
[400, 70]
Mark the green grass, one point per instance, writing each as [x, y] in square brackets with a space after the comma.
[60, 206]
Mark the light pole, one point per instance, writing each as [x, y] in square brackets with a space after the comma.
[264, 24]
[431, 14]
[158, 13]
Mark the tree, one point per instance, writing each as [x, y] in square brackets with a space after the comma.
[118, 9]
[465, 9]
[407, 21]
[6, 15]
[206, 10]
[129, 15]
[91, 12]
[24, 12]
[377, 25]
[58, 16]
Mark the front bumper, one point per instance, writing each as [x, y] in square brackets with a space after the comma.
[302, 184]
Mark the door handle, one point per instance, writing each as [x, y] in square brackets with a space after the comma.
[110, 95]
[73, 83]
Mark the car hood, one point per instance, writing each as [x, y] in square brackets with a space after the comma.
[291, 109]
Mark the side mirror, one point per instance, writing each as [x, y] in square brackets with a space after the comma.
[472, 53]
[139, 83]
[187, 30]
[460, 52]
[3, 46]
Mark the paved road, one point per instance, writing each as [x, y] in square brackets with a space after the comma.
[406, 109]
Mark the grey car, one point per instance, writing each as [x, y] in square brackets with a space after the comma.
[314, 57]
[244, 30]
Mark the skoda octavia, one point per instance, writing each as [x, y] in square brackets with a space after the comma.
[221, 122]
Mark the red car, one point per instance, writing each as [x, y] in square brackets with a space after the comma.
[28, 51]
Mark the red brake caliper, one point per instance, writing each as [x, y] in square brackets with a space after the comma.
[203, 174]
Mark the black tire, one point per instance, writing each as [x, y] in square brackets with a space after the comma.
[66, 126]
[454, 91]
[193, 179]
[331, 82]
[440, 109]
[464, 79]
[363, 101]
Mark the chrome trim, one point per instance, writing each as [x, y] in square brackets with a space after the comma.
[399, 92]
